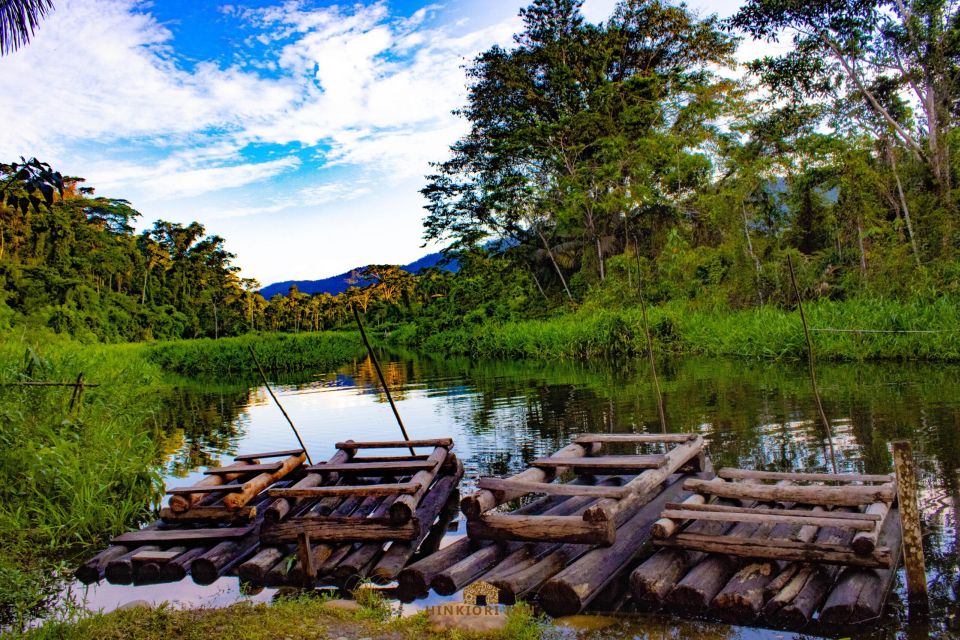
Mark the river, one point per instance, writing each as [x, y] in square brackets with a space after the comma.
[503, 414]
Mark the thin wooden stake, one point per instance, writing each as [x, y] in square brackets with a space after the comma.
[263, 377]
[646, 331]
[812, 368]
[307, 561]
[910, 522]
[77, 395]
[383, 380]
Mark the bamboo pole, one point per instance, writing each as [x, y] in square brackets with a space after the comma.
[263, 377]
[910, 523]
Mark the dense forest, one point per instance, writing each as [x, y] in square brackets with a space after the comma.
[601, 160]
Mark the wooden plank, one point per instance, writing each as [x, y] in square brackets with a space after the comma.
[157, 556]
[729, 473]
[242, 468]
[722, 516]
[182, 491]
[604, 462]
[383, 468]
[389, 458]
[778, 550]
[396, 444]
[268, 454]
[181, 535]
[503, 484]
[641, 438]
[847, 496]
[724, 508]
[572, 529]
[203, 513]
[328, 529]
[346, 490]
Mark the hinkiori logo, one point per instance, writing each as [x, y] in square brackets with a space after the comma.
[482, 594]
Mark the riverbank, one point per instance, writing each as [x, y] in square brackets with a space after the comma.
[859, 329]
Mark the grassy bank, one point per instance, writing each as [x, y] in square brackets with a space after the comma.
[303, 617]
[275, 351]
[757, 333]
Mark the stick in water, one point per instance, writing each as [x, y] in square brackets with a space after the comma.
[813, 372]
[263, 377]
[383, 381]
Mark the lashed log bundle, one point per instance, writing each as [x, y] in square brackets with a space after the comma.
[280, 507]
[414, 580]
[847, 496]
[180, 502]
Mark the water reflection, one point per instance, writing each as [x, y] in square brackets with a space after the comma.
[504, 414]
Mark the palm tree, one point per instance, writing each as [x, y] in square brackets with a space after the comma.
[18, 20]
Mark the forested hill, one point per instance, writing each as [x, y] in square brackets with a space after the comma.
[335, 285]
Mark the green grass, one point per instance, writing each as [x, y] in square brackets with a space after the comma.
[275, 351]
[302, 617]
[756, 333]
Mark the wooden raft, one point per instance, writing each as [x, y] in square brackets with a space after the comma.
[615, 501]
[542, 551]
[780, 549]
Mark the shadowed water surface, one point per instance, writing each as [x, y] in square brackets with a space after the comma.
[502, 415]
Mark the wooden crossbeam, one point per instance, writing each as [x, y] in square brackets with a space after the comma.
[534, 528]
[604, 462]
[405, 488]
[328, 529]
[155, 556]
[243, 468]
[145, 536]
[268, 454]
[723, 508]
[778, 549]
[199, 514]
[396, 444]
[640, 438]
[846, 496]
[501, 484]
[728, 473]
[179, 491]
[379, 468]
[691, 514]
[388, 458]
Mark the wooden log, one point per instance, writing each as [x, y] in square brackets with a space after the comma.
[836, 518]
[280, 507]
[503, 485]
[405, 488]
[864, 542]
[252, 457]
[779, 550]
[243, 468]
[396, 444]
[119, 570]
[308, 565]
[640, 489]
[665, 527]
[475, 504]
[252, 487]
[179, 503]
[208, 514]
[177, 569]
[703, 582]
[619, 464]
[634, 438]
[771, 518]
[403, 507]
[848, 496]
[255, 569]
[414, 580]
[396, 557]
[92, 570]
[218, 560]
[859, 594]
[913, 559]
[728, 473]
[373, 468]
[147, 564]
[333, 529]
[568, 592]
[389, 458]
[453, 578]
[373, 507]
[336, 556]
[172, 536]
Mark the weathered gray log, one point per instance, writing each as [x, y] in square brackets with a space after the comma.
[362, 555]
[749, 474]
[173, 536]
[607, 464]
[634, 438]
[396, 557]
[92, 570]
[280, 507]
[370, 506]
[572, 589]
[859, 594]
[178, 568]
[745, 546]
[146, 565]
[255, 569]
[572, 529]
[119, 570]
[403, 508]
[849, 496]
[218, 560]
[395, 444]
[414, 580]
[453, 578]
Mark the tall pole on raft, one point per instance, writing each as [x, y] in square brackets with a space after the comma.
[383, 380]
[646, 331]
[811, 367]
[263, 377]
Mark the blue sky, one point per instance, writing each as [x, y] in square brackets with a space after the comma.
[299, 131]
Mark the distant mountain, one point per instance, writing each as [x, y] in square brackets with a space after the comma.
[338, 284]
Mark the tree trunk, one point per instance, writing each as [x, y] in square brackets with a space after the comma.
[553, 261]
[903, 205]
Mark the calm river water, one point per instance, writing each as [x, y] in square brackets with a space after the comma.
[504, 414]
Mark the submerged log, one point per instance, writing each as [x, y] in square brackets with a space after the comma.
[146, 565]
[218, 560]
[568, 592]
[255, 569]
[177, 569]
[180, 503]
[453, 578]
[414, 580]
[859, 594]
[119, 570]
[92, 570]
